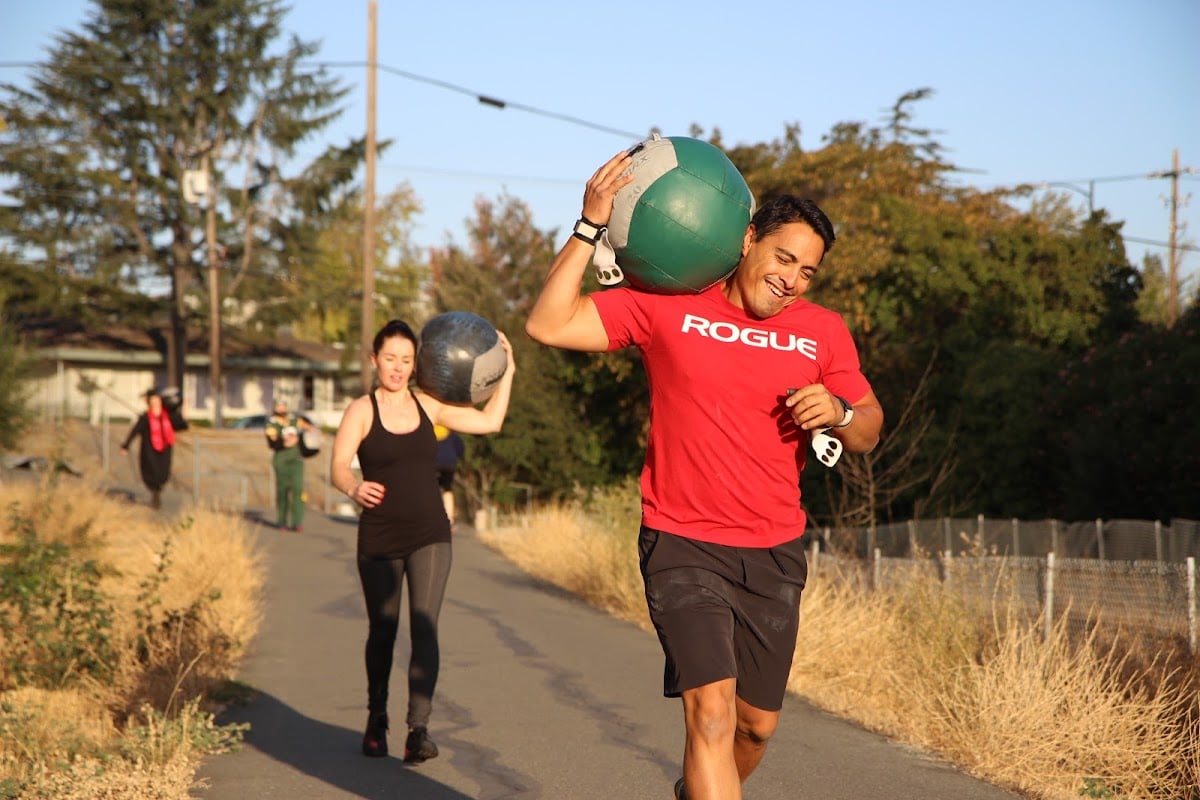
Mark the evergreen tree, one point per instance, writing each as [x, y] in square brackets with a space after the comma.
[15, 364]
[102, 150]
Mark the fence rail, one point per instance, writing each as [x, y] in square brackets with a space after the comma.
[1155, 598]
[1106, 540]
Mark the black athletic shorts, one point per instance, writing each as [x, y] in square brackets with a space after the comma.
[724, 612]
[446, 478]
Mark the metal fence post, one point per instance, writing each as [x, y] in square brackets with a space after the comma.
[1191, 601]
[1100, 538]
[877, 574]
[105, 444]
[1158, 542]
[196, 470]
[1049, 608]
[912, 538]
[1016, 533]
[814, 550]
[1053, 536]
[949, 536]
[947, 562]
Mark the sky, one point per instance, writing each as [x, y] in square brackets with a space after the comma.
[1091, 93]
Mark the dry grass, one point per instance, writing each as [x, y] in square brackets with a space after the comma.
[178, 601]
[1052, 718]
[593, 555]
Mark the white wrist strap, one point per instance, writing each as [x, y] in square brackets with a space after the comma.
[828, 448]
[605, 262]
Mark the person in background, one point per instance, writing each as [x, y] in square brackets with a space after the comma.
[449, 451]
[283, 434]
[403, 532]
[157, 432]
[720, 545]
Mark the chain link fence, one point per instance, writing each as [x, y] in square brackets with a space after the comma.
[1133, 575]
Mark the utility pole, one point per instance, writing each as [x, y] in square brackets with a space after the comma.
[1173, 254]
[368, 289]
[214, 296]
[1173, 235]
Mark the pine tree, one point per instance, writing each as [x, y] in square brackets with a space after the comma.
[102, 147]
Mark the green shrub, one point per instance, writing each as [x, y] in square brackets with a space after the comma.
[54, 619]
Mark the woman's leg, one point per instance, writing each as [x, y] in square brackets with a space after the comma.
[381, 583]
[427, 569]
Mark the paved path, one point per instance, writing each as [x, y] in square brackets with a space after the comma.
[540, 696]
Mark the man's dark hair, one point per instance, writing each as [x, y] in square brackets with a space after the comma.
[784, 209]
[396, 327]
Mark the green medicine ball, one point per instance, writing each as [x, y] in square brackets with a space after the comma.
[678, 226]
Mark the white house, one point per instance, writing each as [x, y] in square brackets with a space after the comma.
[105, 374]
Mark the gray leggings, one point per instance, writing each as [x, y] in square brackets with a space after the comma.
[427, 570]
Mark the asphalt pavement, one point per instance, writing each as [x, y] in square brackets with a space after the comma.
[540, 696]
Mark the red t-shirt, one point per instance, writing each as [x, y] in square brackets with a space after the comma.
[723, 460]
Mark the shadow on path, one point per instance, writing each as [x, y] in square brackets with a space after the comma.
[328, 753]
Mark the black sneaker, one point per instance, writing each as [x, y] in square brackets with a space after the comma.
[419, 747]
[375, 739]
[680, 791]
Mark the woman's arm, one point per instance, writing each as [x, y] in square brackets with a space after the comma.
[468, 419]
[355, 424]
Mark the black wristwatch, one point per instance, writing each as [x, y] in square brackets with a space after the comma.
[587, 231]
[848, 416]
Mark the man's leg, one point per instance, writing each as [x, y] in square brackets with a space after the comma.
[281, 496]
[297, 499]
[710, 770]
[707, 717]
[754, 727]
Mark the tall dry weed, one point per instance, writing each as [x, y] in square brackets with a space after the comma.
[1048, 716]
[563, 546]
[954, 668]
[182, 600]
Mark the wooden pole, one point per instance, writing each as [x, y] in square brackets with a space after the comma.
[368, 289]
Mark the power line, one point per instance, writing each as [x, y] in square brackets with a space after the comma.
[484, 99]
[1139, 240]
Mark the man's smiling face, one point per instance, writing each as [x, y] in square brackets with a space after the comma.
[775, 270]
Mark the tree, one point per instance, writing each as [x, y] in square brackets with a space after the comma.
[101, 150]
[318, 290]
[1126, 439]
[1152, 302]
[561, 432]
[15, 364]
[923, 264]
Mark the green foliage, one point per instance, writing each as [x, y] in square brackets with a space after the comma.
[15, 365]
[47, 305]
[1124, 415]
[158, 734]
[1007, 298]
[566, 424]
[318, 288]
[1097, 788]
[54, 619]
[97, 151]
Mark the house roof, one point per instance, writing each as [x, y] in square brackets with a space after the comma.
[116, 342]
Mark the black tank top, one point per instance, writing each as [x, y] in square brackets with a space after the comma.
[411, 515]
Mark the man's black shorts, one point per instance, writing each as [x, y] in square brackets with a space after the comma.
[724, 612]
[445, 478]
